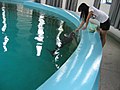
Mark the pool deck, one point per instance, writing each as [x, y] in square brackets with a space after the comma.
[110, 67]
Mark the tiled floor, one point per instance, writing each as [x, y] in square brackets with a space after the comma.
[110, 66]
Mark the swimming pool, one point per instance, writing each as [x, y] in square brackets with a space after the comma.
[26, 36]
[81, 70]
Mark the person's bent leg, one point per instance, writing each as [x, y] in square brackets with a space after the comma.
[103, 37]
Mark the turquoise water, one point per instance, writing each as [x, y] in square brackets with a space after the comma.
[26, 36]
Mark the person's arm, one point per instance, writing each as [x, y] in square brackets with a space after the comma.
[87, 20]
[80, 26]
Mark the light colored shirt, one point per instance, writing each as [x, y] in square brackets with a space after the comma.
[98, 14]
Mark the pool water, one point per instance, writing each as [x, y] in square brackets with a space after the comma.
[26, 39]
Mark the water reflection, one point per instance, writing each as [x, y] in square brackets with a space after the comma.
[4, 19]
[19, 35]
[40, 35]
[58, 43]
[6, 39]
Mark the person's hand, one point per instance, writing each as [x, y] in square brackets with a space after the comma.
[77, 30]
[84, 28]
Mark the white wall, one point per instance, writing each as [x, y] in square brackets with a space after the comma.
[105, 8]
[89, 2]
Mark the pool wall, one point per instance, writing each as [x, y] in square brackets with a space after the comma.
[14, 1]
[81, 70]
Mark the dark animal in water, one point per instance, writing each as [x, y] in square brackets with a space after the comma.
[66, 39]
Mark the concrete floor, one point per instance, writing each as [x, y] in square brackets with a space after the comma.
[110, 66]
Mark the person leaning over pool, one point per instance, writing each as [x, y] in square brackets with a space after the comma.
[88, 12]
